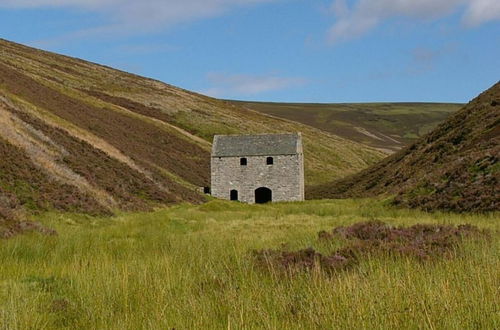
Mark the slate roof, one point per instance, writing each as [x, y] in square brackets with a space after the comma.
[256, 145]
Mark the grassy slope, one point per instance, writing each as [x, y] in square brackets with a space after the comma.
[55, 109]
[387, 126]
[455, 167]
[190, 267]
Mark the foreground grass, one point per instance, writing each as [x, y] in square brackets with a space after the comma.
[191, 267]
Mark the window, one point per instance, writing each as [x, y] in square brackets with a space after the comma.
[269, 161]
[243, 161]
[233, 195]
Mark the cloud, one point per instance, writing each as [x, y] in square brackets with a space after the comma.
[481, 11]
[136, 16]
[425, 58]
[364, 15]
[229, 85]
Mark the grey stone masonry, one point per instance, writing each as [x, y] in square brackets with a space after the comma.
[258, 168]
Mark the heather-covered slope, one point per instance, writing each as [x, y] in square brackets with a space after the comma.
[386, 126]
[77, 136]
[455, 167]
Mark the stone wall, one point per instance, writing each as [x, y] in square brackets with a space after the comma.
[285, 177]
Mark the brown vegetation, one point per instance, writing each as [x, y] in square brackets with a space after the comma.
[145, 143]
[104, 139]
[132, 106]
[132, 189]
[373, 238]
[162, 156]
[306, 259]
[13, 228]
[421, 241]
[10, 214]
[96, 97]
[34, 190]
[455, 167]
[9, 206]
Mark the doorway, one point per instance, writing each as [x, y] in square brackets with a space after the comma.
[233, 195]
[263, 195]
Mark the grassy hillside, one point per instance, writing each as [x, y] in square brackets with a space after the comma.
[386, 126]
[77, 136]
[455, 167]
[192, 267]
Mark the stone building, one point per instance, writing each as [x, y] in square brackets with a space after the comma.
[258, 168]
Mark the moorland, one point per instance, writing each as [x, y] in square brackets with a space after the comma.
[385, 126]
[194, 266]
[103, 224]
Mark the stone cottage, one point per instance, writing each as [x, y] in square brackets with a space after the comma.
[258, 168]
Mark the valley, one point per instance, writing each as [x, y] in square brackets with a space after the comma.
[249, 164]
[385, 126]
[81, 124]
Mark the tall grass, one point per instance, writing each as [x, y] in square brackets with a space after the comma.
[192, 267]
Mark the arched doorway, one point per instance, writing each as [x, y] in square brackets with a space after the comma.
[233, 195]
[263, 195]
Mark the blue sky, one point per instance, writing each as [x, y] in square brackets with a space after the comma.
[278, 50]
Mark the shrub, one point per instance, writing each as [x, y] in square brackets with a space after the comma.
[420, 241]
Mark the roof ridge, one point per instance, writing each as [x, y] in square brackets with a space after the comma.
[237, 145]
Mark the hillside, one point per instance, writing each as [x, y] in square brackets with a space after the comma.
[78, 136]
[386, 126]
[454, 167]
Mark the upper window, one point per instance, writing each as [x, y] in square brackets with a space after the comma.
[243, 161]
[269, 161]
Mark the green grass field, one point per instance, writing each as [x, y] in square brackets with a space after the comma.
[191, 267]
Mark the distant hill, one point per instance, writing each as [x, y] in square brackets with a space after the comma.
[454, 167]
[77, 136]
[386, 126]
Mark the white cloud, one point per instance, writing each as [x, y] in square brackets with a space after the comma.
[230, 85]
[363, 15]
[481, 11]
[126, 16]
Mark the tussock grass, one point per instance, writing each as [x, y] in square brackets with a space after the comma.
[192, 267]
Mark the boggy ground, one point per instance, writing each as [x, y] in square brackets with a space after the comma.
[189, 267]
